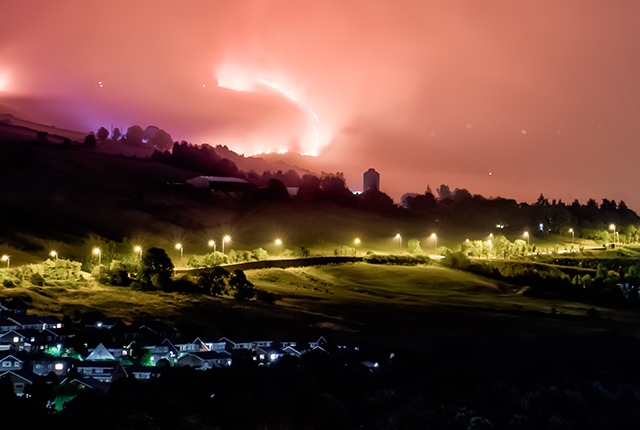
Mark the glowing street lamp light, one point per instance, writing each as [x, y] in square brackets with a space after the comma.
[54, 254]
[490, 247]
[526, 234]
[226, 238]
[435, 242]
[399, 237]
[613, 227]
[97, 252]
[572, 234]
[180, 248]
[356, 242]
[7, 259]
[278, 242]
[212, 244]
[138, 250]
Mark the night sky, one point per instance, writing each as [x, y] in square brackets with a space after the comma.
[544, 95]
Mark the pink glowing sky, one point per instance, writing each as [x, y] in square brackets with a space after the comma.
[543, 94]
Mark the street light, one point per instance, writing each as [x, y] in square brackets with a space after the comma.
[226, 238]
[435, 242]
[212, 244]
[399, 237]
[356, 242]
[138, 249]
[181, 249]
[54, 254]
[572, 234]
[7, 259]
[613, 227]
[526, 234]
[278, 242]
[96, 251]
[490, 247]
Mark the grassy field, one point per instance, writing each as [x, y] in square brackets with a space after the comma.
[394, 304]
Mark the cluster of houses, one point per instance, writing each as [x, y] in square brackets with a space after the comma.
[103, 350]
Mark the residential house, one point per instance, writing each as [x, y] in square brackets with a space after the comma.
[58, 365]
[15, 341]
[104, 371]
[144, 372]
[10, 362]
[205, 360]
[231, 345]
[266, 356]
[20, 380]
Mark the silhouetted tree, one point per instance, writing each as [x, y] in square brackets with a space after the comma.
[116, 134]
[155, 268]
[102, 133]
[135, 135]
[90, 140]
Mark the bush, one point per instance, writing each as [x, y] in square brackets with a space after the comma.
[242, 287]
[265, 297]
[398, 260]
[36, 279]
[215, 282]
[344, 251]
[116, 273]
[182, 285]
[260, 254]
[413, 246]
[214, 259]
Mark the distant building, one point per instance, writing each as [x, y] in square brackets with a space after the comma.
[219, 183]
[371, 180]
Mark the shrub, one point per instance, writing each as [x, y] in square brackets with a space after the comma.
[36, 279]
[260, 254]
[398, 260]
[214, 259]
[413, 246]
[265, 297]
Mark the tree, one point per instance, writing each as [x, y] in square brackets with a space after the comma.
[102, 133]
[90, 140]
[214, 282]
[413, 245]
[156, 269]
[135, 135]
[116, 134]
[161, 140]
[444, 192]
[243, 288]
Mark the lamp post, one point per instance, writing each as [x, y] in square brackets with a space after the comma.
[54, 254]
[399, 237]
[572, 234]
[226, 238]
[7, 259]
[212, 244]
[435, 243]
[356, 242]
[526, 234]
[97, 252]
[181, 249]
[613, 227]
[138, 250]
[490, 247]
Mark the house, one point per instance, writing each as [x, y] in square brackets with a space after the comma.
[7, 309]
[10, 362]
[58, 365]
[290, 350]
[261, 344]
[215, 346]
[185, 347]
[266, 356]
[35, 322]
[166, 350]
[104, 371]
[205, 360]
[286, 343]
[20, 380]
[15, 341]
[144, 372]
[90, 383]
[321, 342]
[103, 323]
[101, 352]
[231, 345]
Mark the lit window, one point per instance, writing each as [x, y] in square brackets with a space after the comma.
[273, 357]
[6, 364]
[124, 352]
[58, 325]
[16, 339]
[58, 366]
[261, 356]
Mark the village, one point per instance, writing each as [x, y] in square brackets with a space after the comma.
[97, 351]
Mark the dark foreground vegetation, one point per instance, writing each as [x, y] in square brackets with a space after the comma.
[546, 382]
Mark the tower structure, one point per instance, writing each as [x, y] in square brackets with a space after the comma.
[371, 180]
